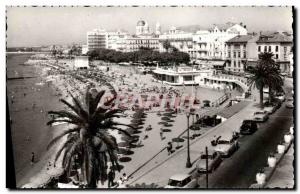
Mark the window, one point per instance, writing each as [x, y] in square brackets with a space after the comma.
[276, 48]
[239, 54]
[239, 64]
[188, 78]
[229, 54]
[270, 49]
[234, 54]
[258, 48]
[276, 56]
[234, 64]
[265, 49]
[245, 54]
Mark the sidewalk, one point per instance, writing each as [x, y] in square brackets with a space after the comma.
[161, 169]
[283, 176]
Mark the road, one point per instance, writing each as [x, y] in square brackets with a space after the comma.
[240, 169]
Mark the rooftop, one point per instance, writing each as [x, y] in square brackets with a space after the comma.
[275, 37]
[240, 38]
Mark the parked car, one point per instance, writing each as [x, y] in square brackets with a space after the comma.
[290, 103]
[226, 147]
[260, 116]
[280, 96]
[182, 181]
[270, 108]
[214, 160]
[248, 127]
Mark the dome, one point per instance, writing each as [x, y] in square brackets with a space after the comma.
[141, 23]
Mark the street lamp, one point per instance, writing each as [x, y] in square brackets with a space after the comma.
[188, 160]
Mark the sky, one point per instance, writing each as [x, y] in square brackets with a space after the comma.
[36, 26]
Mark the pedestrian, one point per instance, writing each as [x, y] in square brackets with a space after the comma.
[111, 177]
[32, 158]
[125, 178]
[169, 148]
[120, 181]
[161, 135]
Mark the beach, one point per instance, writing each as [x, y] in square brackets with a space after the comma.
[31, 98]
[29, 101]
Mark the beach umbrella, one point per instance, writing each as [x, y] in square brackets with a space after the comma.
[162, 123]
[178, 140]
[165, 118]
[123, 144]
[116, 168]
[125, 159]
[166, 130]
[168, 125]
[137, 132]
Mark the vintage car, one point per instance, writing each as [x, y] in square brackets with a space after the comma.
[214, 160]
[248, 127]
[260, 116]
[182, 181]
[226, 147]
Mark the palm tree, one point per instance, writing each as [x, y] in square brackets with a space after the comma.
[266, 73]
[88, 141]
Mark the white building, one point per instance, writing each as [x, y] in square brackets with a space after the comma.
[219, 34]
[81, 62]
[204, 44]
[181, 40]
[96, 39]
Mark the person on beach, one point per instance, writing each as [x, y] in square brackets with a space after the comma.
[161, 135]
[32, 158]
[111, 177]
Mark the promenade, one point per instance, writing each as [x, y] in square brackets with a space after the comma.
[283, 176]
[160, 169]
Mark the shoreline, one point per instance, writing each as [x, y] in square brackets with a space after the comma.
[60, 83]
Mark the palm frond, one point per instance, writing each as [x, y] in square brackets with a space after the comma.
[72, 139]
[69, 131]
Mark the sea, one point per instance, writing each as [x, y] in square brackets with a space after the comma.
[29, 101]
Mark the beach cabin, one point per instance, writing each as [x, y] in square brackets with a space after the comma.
[81, 62]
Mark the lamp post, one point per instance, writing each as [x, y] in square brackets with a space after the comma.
[188, 160]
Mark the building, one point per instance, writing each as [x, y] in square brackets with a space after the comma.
[204, 44]
[142, 39]
[219, 34]
[157, 28]
[181, 75]
[238, 49]
[116, 40]
[243, 51]
[96, 39]
[81, 62]
[204, 77]
[134, 43]
[280, 45]
[142, 28]
[181, 40]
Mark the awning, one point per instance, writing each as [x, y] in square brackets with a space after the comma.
[218, 63]
[211, 63]
[251, 63]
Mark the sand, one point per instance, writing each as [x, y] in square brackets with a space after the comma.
[32, 122]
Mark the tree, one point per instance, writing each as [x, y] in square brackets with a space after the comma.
[265, 74]
[88, 141]
[167, 45]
